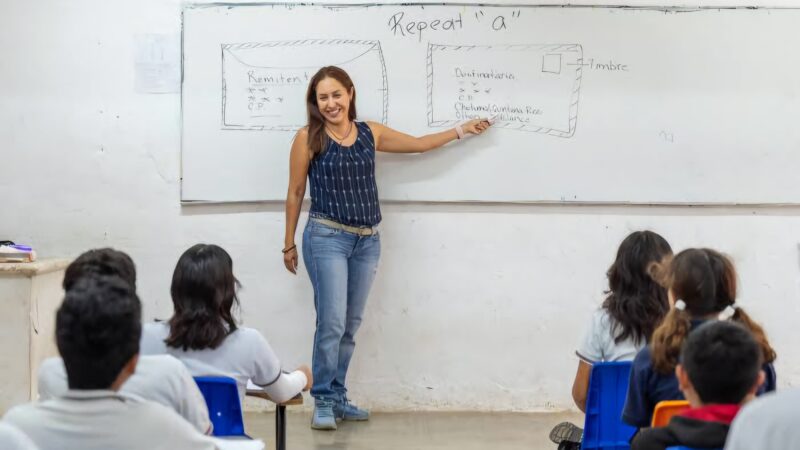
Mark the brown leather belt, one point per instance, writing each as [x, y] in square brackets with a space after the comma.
[360, 231]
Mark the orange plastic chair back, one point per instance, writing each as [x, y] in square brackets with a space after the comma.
[666, 409]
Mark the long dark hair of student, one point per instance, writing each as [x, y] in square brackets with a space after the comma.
[203, 295]
[317, 138]
[706, 282]
[635, 301]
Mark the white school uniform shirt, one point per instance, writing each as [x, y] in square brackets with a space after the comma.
[160, 378]
[11, 438]
[244, 355]
[598, 343]
[102, 420]
[768, 422]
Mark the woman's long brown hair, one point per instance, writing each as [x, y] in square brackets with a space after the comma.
[317, 138]
[706, 282]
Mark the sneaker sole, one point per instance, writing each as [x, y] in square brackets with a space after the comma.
[323, 427]
[566, 431]
[354, 419]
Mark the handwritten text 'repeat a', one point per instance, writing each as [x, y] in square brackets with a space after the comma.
[400, 26]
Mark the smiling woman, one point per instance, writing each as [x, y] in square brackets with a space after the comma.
[341, 245]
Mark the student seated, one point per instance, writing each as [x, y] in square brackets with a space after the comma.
[13, 439]
[98, 327]
[701, 287]
[160, 378]
[767, 422]
[634, 305]
[719, 370]
[203, 334]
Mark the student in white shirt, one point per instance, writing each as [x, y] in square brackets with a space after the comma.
[203, 333]
[98, 327]
[768, 422]
[13, 439]
[158, 378]
[623, 325]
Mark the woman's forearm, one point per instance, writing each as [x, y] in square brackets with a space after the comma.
[293, 205]
[435, 140]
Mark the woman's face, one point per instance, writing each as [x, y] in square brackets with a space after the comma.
[333, 100]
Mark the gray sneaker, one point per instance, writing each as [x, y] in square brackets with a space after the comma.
[323, 418]
[348, 411]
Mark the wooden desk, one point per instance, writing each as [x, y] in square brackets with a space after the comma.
[29, 297]
[280, 414]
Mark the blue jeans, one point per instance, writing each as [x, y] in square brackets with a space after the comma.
[341, 266]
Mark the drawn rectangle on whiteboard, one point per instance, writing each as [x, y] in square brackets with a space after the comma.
[260, 91]
[519, 83]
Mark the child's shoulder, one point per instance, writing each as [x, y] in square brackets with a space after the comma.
[247, 334]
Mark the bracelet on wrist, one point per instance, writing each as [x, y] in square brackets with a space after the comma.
[460, 132]
[288, 249]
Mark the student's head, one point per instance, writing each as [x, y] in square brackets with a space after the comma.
[720, 362]
[635, 301]
[98, 327]
[203, 295]
[100, 261]
[331, 98]
[702, 285]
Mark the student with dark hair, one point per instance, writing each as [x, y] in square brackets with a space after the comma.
[160, 378]
[719, 370]
[204, 335]
[100, 261]
[98, 327]
[635, 303]
[701, 286]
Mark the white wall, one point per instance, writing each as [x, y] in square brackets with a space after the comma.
[475, 306]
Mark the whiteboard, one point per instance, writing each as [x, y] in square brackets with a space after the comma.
[593, 104]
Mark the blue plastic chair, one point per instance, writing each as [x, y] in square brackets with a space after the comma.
[603, 427]
[224, 409]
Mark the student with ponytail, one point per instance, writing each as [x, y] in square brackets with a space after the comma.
[701, 286]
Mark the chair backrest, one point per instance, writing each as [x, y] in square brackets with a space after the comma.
[666, 409]
[222, 398]
[603, 427]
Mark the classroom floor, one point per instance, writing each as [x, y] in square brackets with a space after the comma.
[417, 431]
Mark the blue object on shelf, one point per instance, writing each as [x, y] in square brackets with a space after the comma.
[603, 427]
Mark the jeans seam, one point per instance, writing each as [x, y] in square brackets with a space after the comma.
[315, 286]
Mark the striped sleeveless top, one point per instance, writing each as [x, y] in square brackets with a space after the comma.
[342, 181]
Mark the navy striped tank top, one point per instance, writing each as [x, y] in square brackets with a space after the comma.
[342, 182]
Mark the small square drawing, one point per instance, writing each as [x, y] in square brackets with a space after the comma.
[551, 63]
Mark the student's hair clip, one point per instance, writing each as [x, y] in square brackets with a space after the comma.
[727, 313]
[680, 305]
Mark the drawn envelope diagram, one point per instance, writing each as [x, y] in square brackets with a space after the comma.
[264, 84]
[527, 87]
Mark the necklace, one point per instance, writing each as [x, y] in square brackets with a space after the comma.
[346, 135]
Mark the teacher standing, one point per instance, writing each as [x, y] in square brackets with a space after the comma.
[341, 245]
